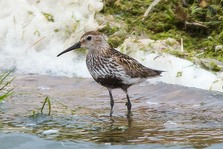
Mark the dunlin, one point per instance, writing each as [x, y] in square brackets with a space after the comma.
[111, 68]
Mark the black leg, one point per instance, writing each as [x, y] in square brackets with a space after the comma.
[128, 103]
[111, 101]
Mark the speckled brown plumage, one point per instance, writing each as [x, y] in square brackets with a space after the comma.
[132, 67]
[111, 68]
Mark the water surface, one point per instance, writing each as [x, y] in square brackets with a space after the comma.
[163, 115]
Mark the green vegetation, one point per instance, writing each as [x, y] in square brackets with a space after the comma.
[48, 16]
[36, 114]
[200, 26]
[48, 100]
[5, 80]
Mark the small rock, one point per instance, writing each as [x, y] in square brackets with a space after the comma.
[211, 64]
[50, 131]
[218, 48]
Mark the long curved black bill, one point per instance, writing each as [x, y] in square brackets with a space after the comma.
[75, 46]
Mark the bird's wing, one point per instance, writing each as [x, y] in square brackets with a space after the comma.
[132, 67]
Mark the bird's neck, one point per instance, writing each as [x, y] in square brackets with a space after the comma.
[100, 49]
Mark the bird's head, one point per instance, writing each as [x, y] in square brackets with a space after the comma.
[92, 40]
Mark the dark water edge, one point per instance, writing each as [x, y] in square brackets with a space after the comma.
[27, 141]
[164, 116]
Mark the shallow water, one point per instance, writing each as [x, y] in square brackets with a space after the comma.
[21, 141]
[163, 115]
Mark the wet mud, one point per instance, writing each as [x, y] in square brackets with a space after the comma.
[162, 114]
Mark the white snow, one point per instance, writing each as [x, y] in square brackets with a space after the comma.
[30, 42]
[177, 71]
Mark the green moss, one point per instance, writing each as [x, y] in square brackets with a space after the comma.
[212, 54]
[30, 13]
[109, 30]
[179, 74]
[162, 23]
[114, 40]
[211, 66]
[220, 37]
[37, 33]
[48, 16]
[56, 30]
[215, 67]
[178, 53]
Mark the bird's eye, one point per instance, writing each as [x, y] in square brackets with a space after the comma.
[89, 38]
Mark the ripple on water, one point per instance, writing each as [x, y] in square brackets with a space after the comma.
[162, 114]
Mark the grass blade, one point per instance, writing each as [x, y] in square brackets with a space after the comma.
[5, 91]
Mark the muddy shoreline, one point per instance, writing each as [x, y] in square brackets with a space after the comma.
[162, 113]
